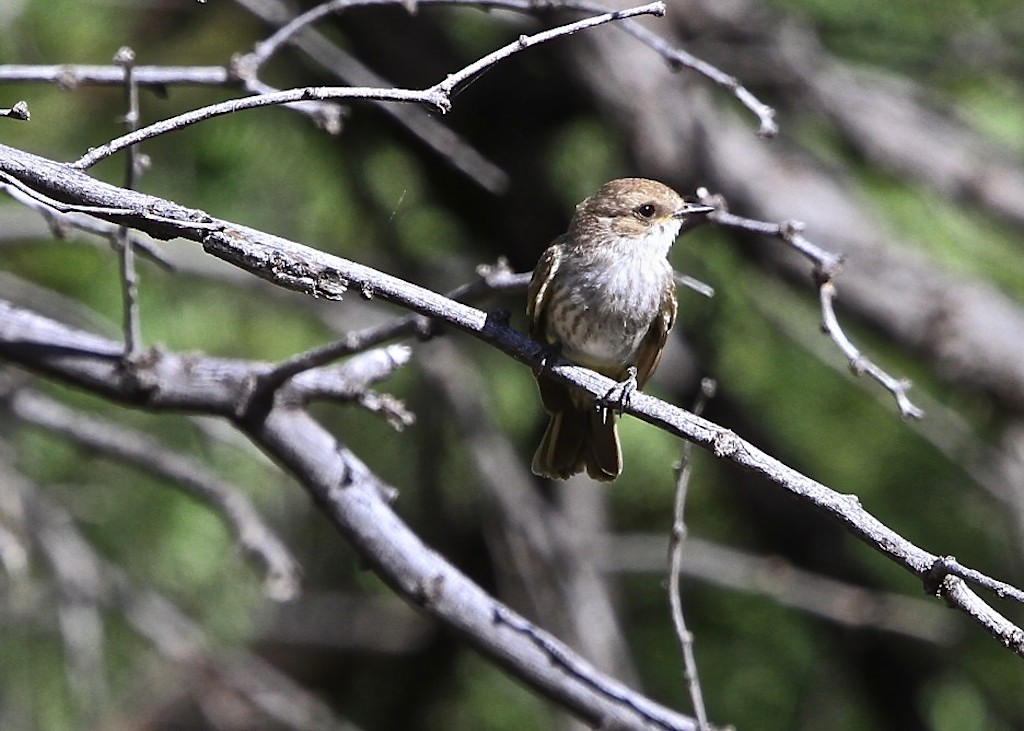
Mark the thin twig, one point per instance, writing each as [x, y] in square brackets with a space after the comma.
[438, 96]
[350, 382]
[59, 221]
[454, 81]
[271, 45]
[317, 273]
[949, 566]
[675, 553]
[945, 429]
[173, 634]
[827, 267]
[676, 57]
[231, 106]
[70, 76]
[139, 450]
[327, 116]
[243, 72]
[775, 578]
[430, 130]
[492, 279]
[859, 364]
[125, 58]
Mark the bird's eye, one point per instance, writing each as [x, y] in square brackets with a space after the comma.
[645, 210]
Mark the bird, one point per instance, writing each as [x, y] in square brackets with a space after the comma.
[603, 295]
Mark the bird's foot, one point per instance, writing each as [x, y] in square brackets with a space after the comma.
[550, 353]
[618, 396]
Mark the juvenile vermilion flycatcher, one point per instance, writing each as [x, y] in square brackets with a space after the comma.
[603, 294]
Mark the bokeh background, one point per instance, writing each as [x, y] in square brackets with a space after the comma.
[901, 143]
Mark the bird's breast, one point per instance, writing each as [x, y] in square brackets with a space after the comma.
[599, 312]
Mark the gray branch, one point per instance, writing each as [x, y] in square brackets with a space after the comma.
[92, 363]
[351, 496]
[143, 452]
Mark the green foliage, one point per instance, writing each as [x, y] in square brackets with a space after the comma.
[900, 35]
[952, 704]
[376, 196]
[482, 698]
[996, 105]
[582, 156]
[964, 242]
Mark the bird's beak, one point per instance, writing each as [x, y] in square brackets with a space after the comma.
[693, 209]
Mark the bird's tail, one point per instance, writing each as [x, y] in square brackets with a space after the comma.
[580, 437]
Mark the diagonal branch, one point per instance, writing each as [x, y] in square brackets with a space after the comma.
[309, 93]
[437, 96]
[826, 268]
[677, 57]
[352, 497]
[331, 57]
[316, 273]
[675, 566]
[141, 451]
[155, 618]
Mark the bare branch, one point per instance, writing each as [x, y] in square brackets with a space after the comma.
[125, 58]
[675, 561]
[161, 623]
[139, 450]
[454, 81]
[266, 48]
[297, 267]
[70, 76]
[351, 496]
[438, 96]
[677, 57]
[245, 68]
[948, 566]
[859, 364]
[59, 223]
[778, 579]
[453, 148]
[115, 213]
[353, 376]
[826, 268]
[493, 278]
[158, 78]
[994, 468]
[350, 382]
[321, 93]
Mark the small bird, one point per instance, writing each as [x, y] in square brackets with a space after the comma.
[603, 295]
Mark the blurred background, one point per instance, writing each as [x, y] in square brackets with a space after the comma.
[901, 145]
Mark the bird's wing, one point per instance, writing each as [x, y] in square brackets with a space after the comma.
[540, 289]
[653, 343]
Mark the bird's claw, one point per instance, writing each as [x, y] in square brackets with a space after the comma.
[551, 352]
[618, 396]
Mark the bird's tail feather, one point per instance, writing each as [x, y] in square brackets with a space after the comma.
[577, 439]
